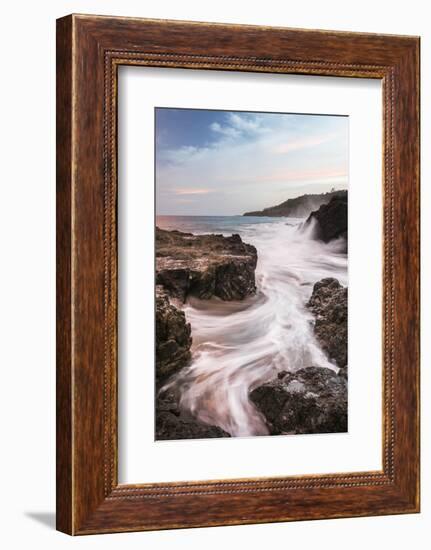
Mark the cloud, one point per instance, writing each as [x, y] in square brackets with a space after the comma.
[240, 126]
[185, 153]
[238, 129]
[285, 176]
[191, 191]
[247, 124]
[247, 161]
[303, 143]
[225, 130]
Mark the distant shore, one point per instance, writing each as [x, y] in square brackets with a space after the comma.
[300, 206]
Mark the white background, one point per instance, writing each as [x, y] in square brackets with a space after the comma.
[27, 122]
[141, 458]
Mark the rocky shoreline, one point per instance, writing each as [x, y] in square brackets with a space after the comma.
[312, 399]
[173, 423]
[331, 219]
[202, 266]
[328, 303]
[298, 207]
[173, 336]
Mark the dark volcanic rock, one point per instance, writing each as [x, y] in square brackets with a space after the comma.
[331, 219]
[328, 302]
[205, 265]
[311, 400]
[192, 265]
[171, 423]
[173, 340]
[299, 207]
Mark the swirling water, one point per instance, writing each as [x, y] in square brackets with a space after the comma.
[240, 345]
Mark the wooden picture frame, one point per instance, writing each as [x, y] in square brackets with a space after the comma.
[89, 51]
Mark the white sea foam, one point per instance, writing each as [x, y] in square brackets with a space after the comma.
[239, 345]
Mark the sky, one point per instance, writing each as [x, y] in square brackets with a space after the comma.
[229, 162]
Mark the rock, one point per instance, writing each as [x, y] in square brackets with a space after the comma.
[205, 265]
[173, 337]
[171, 423]
[331, 219]
[311, 400]
[328, 303]
[299, 207]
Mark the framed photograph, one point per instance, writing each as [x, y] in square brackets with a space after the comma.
[237, 274]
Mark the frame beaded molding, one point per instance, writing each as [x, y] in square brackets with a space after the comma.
[251, 64]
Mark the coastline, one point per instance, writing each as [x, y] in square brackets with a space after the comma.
[185, 407]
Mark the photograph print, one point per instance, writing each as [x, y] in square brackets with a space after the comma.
[251, 274]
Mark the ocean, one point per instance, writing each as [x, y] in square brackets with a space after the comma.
[239, 345]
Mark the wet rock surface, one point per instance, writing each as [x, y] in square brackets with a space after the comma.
[331, 219]
[200, 266]
[328, 303]
[172, 423]
[311, 400]
[173, 337]
[205, 265]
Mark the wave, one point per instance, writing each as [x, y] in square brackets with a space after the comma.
[239, 345]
